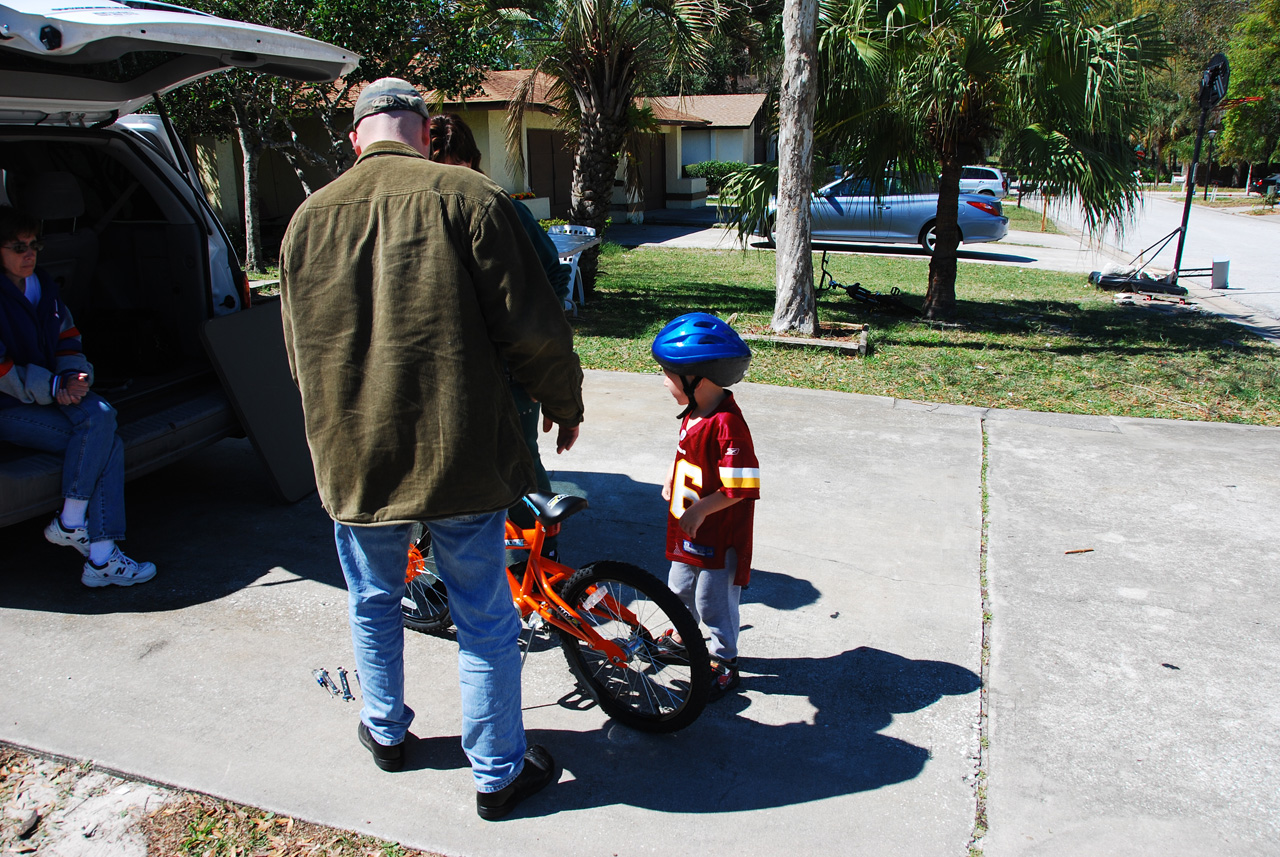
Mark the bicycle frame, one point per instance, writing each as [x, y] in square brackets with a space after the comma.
[534, 592]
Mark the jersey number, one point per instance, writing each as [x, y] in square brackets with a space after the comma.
[682, 495]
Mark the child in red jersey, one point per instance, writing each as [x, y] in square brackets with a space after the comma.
[713, 485]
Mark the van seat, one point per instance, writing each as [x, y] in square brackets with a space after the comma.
[153, 436]
[70, 253]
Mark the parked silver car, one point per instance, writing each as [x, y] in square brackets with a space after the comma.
[988, 181]
[847, 210]
[139, 257]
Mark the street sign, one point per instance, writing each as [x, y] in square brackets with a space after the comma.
[1213, 81]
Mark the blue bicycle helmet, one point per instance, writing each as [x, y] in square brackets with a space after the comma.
[696, 346]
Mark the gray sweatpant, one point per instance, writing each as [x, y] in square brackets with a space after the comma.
[712, 598]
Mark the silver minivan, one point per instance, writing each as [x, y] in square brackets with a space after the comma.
[152, 279]
[987, 181]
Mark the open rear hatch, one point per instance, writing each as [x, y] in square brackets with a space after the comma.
[86, 63]
[68, 66]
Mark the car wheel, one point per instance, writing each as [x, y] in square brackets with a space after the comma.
[987, 192]
[766, 232]
[929, 237]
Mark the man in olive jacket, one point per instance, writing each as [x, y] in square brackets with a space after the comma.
[409, 290]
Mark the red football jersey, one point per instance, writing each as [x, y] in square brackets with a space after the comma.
[715, 453]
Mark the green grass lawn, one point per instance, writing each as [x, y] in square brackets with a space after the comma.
[1039, 340]
[1027, 218]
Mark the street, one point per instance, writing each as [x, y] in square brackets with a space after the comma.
[1252, 243]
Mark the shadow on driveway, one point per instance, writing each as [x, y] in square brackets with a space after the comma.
[726, 762]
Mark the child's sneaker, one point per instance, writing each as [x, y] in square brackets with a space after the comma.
[724, 678]
[668, 650]
[58, 534]
[119, 570]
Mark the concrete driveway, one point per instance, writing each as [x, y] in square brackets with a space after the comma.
[1131, 690]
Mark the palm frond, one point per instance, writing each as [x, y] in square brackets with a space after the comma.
[747, 196]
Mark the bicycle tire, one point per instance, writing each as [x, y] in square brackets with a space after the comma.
[650, 692]
[425, 604]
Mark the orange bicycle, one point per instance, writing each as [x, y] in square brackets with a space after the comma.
[614, 621]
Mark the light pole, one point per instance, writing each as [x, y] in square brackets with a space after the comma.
[1208, 166]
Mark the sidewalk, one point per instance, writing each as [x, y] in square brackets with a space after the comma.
[1131, 689]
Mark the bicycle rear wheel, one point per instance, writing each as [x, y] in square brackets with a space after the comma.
[651, 691]
[425, 604]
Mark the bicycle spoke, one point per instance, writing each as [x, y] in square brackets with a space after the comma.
[630, 609]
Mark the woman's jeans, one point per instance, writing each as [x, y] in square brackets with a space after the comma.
[93, 456]
[469, 554]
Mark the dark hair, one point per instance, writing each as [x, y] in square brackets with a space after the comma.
[13, 223]
[451, 139]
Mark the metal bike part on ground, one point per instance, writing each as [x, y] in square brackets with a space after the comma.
[889, 303]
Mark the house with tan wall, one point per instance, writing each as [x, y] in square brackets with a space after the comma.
[691, 129]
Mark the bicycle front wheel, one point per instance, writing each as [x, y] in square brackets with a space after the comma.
[654, 690]
[425, 604]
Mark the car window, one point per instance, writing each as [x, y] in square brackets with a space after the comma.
[107, 185]
[919, 184]
[849, 187]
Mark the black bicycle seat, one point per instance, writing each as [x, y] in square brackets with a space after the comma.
[554, 508]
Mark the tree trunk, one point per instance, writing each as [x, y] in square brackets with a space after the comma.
[296, 163]
[250, 152]
[794, 306]
[594, 165]
[940, 299]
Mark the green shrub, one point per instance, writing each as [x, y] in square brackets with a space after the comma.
[714, 172]
[552, 221]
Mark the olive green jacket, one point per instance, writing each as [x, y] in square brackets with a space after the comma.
[405, 285]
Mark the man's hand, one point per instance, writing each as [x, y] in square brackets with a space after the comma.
[565, 437]
[73, 390]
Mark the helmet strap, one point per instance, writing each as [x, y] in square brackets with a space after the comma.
[690, 392]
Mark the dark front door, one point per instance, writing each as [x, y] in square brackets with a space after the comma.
[653, 171]
[551, 168]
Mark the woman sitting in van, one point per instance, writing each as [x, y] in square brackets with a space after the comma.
[46, 404]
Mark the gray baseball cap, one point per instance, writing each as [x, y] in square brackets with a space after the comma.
[387, 94]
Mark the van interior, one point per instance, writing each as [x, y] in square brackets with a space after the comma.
[130, 258]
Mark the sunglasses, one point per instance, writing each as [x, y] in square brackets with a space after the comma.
[20, 248]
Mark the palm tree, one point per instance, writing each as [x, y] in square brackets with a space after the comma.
[923, 87]
[599, 56]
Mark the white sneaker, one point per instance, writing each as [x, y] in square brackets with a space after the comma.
[119, 570]
[77, 538]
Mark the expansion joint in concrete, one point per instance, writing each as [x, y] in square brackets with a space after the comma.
[980, 775]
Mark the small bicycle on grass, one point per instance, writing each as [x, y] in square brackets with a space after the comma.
[889, 303]
[609, 616]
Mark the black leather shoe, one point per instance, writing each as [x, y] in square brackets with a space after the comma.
[538, 772]
[388, 758]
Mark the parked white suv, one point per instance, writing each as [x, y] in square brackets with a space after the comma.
[147, 270]
[985, 180]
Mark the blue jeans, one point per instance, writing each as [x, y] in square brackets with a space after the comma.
[469, 556]
[93, 456]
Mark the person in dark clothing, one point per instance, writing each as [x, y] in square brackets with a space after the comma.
[452, 143]
[46, 404]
